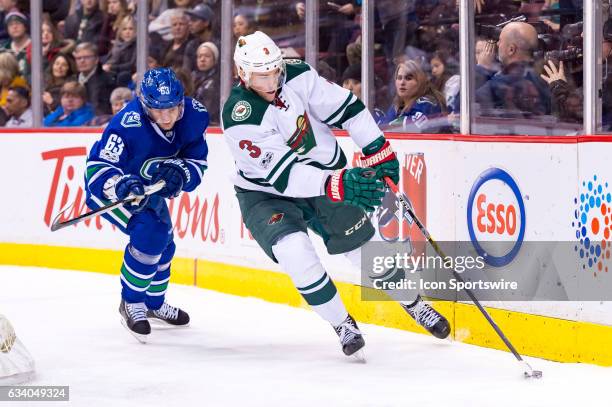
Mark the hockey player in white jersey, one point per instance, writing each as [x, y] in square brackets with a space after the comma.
[291, 174]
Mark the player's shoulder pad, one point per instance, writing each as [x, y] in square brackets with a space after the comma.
[243, 107]
[295, 68]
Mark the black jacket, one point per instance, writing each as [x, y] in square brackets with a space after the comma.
[92, 30]
[99, 88]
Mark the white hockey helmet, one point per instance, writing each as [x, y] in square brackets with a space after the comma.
[257, 53]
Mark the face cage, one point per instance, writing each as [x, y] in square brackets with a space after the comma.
[148, 111]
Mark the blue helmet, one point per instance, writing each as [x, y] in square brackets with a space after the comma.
[161, 89]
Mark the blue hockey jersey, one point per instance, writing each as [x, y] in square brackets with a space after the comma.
[424, 116]
[132, 144]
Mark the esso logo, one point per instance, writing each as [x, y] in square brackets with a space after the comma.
[496, 217]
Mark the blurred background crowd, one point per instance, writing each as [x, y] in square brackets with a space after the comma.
[527, 62]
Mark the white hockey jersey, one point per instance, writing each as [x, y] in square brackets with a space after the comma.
[286, 147]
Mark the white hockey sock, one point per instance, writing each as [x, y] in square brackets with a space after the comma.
[297, 257]
[403, 297]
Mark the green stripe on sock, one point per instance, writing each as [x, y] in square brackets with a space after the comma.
[313, 285]
[158, 288]
[138, 282]
[325, 294]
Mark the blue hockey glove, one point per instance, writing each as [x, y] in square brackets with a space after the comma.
[175, 173]
[131, 184]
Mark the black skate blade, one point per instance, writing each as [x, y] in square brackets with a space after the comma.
[140, 338]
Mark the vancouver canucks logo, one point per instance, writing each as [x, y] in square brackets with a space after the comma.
[242, 111]
[302, 140]
[149, 166]
[131, 119]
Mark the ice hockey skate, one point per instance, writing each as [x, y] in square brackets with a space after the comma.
[134, 319]
[168, 315]
[351, 339]
[426, 316]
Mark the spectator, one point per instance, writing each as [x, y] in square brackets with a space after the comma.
[186, 80]
[118, 99]
[115, 11]
[502, 94]
[445, 79]
[351, 79]
[98, 83]
[52, 42]
[336, 24]
[417, 107]
[56, 9]
[486, 66]
[568, 101]
[18, 107]
[242, 26]
[162, 24]
[61, 70]
[19, 43]
[326, 71]
[175, 51]
[201, 28]
[6, 7]
[74, 109]
[85, 25]
[206, 79]
[122, 61]
[9, 75]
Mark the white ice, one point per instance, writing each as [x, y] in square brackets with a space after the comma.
[247, 352]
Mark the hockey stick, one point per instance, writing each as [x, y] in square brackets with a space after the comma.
[528, 372]
[57, 225]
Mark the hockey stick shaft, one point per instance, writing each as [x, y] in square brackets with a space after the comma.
[404, 201]
[57, 225]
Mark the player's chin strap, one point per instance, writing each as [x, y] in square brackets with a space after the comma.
[57, 224]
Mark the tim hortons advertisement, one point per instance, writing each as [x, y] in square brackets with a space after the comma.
[53, 166]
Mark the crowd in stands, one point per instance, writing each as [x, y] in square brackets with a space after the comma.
[89, 56]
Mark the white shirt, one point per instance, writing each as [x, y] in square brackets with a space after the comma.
[25, 120]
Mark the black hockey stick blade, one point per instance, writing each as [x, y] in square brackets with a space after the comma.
[57, 225]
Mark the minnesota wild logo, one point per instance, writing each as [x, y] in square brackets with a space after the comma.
[241, 111]
[302, 140]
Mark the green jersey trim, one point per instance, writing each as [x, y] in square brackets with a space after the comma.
[340, 109]
[243, 107]
[351, 111]
[294, 68]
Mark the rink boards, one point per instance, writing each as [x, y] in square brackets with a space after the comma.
[534, 186]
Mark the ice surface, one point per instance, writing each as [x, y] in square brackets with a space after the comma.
[247, 352]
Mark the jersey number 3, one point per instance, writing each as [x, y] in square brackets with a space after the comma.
[254, 151]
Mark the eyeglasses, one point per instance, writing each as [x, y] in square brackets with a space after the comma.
[84, 57]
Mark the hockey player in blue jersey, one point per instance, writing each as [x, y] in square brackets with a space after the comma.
[158, 136]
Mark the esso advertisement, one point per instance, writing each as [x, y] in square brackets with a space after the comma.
[496, 217]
